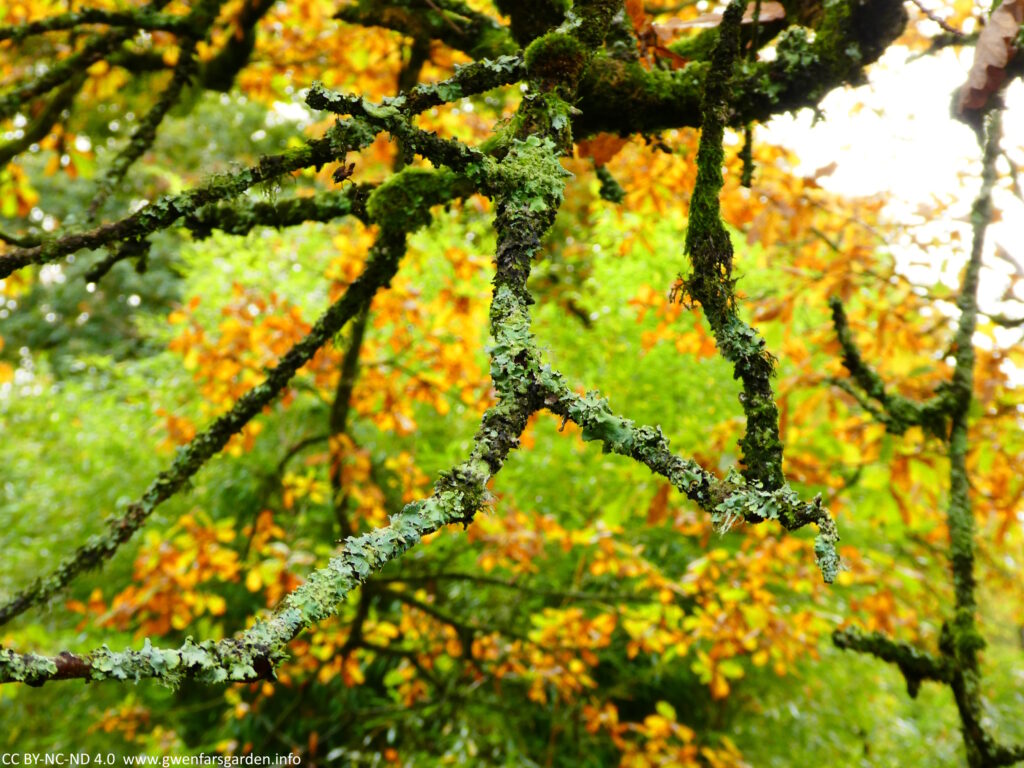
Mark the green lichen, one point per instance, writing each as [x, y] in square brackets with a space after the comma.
[470, 79]
[25, 668]
[728, 500]
[530, 176]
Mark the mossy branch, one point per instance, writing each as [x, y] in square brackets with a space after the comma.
[623, 97]
[916, 665]
[144, 19]
[200, 21]
[710, 283]
[342, 138]
[245, 215]
[455, 24]
[896, 412]
[381, 267]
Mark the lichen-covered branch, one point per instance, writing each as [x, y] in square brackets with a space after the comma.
[380, 269]
[341, 138]
[728, 500]
[254, 653]
[458, 495]
[390, 118]
[896, 412]
[200, 20]
[960, 641]
[453, 23]
[915, 664]
[478, 77]
[144, 18]
[710, 282]
[245, 215]
[526, 181]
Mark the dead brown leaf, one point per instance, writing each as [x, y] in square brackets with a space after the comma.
[992, 54]
[770, 11]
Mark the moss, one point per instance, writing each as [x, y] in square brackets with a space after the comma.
[596, 20]
[710, 283]
[403, 202]
[556, 59]
[624, 96]
[697, 46]
[621, 96]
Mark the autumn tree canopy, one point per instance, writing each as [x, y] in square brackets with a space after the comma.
[428, 381]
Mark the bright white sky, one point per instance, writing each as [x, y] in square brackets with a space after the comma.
[903, 143]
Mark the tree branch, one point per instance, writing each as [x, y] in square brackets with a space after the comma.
[341, 138]
[379, 270]
[457, 25]
[898, 413]
[915, 664]
[133, 20]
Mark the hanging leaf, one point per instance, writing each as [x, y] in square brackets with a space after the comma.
[991, 55]
[770, 11]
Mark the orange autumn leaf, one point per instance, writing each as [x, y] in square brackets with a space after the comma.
[601, 148]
